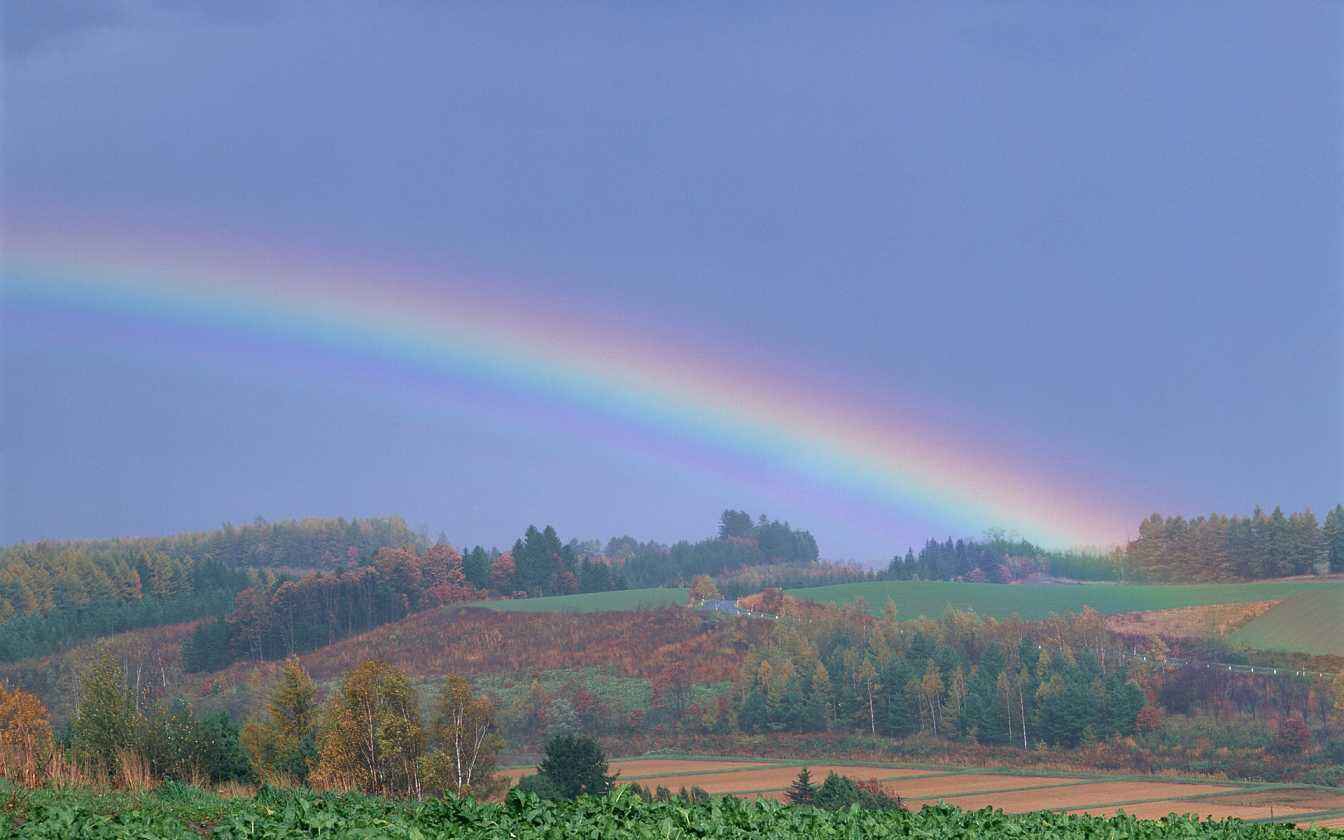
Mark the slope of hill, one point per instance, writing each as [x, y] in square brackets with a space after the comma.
[1032, 601]
[621, 599]
[1310, 622]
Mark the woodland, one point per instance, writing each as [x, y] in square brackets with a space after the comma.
[294, 630]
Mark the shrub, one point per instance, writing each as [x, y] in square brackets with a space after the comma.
[541, 785]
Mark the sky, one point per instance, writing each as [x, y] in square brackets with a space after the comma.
[1087, 257]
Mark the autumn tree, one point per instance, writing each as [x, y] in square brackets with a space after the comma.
[772, 601]
[702, 590]
[1335, 698]
[286, 741]
[25, 736]
[1294, 737]
[372, 739]
[463, 730]
[502, 572]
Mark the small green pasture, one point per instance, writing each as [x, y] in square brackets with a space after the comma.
[617, 692]
[625, 599]
[1034, 601]
[1309, 622]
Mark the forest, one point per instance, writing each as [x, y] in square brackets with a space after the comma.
[56, 593]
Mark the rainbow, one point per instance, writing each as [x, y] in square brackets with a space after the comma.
[455, 327]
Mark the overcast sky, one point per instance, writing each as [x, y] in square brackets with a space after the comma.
[1107, 238]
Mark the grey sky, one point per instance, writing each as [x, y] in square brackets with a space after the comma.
[1109, 238]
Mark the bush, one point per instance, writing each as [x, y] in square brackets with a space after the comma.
[1332, 776]
[836, 792]
[540, 785]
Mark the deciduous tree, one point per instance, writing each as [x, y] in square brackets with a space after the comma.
[372, 739]
[467, 744]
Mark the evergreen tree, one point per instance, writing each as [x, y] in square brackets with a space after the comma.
[802, 791]
[836, 792]
[476, 567]
[576, 765]
[1333, 534]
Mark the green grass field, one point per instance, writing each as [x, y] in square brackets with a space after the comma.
[933, 598]
[626, 599]
[1311, 622]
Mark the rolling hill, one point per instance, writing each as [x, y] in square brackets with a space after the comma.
[1310, 622]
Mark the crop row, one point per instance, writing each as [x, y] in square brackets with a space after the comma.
[277, 815]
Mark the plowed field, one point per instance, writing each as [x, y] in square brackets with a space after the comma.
[999, 789]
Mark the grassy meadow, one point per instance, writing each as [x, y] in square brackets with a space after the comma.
[1035, 601]
[1310, 622]
[625, 599]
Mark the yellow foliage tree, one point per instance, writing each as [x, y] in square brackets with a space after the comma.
[372, 739]
[284, 744]
[702, 590]
[467, 744]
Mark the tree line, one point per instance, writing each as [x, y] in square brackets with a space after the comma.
[371, 735]
[1167, 549]
[998, 558]
[1218, 547]
[55, 593]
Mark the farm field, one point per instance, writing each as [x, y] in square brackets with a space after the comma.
[184, 813]
[624, 599]
[969, 789]
[1036, 601]
[1310, 622]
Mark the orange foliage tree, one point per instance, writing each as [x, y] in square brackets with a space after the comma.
[25, 736]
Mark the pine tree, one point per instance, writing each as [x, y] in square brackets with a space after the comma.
[802, 791]
[1333, 533]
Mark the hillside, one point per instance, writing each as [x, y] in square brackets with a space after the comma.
[1034, 601]
[1310, 622]
[621, 599]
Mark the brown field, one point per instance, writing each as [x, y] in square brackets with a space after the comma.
[647, 767]
[771, 778]
[973, 790]
[1203, 622]
[1201, 808]
[1309, 798]
[941, 787]
[1074, 796]
[1333, 822]
[641, 768]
